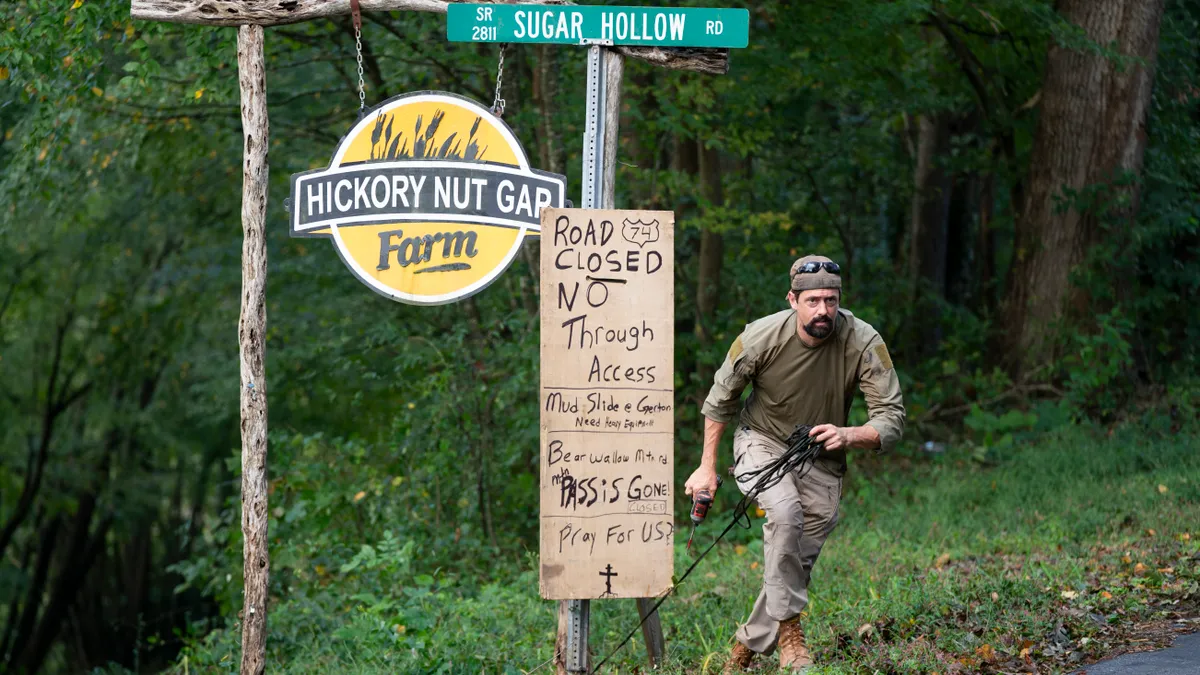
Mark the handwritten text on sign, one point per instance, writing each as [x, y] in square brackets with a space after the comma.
[607, 400]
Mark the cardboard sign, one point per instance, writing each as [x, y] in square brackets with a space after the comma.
[427, 199]
[607, 401]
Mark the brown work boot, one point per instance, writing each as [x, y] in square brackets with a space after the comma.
[739, 659]
[793, 652]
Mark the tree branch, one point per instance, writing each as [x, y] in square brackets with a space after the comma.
[33, 479]
[967, 62]
[16, 282]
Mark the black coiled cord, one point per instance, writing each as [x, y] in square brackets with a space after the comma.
[799, 456]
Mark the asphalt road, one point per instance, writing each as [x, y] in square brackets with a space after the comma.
[1181, 658]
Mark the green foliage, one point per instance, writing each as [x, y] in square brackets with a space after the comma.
[403, 453]
[993, 434]
[935, 563]
[1096, 363]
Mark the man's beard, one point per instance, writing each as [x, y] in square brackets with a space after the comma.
[819, 328]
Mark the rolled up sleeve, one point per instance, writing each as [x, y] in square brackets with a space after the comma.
[724, 399]
[881, 388]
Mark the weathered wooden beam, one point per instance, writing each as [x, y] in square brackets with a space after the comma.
[614, 74]
[652, 632]
[252, 341]
[711, 61]
[270, 13]
[281, 12]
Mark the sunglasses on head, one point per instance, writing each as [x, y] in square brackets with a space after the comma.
[814, 267]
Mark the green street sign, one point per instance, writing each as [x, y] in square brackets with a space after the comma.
[599, 24]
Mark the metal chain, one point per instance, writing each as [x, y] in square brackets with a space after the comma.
[498, 103]
[362, 85]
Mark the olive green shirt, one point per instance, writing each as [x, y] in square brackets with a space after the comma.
[797, 384]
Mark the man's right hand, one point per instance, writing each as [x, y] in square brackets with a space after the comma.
[704, 478]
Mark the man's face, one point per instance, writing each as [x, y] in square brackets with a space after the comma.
[816, 310]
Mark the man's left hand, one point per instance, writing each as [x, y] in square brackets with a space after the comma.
[834, 438]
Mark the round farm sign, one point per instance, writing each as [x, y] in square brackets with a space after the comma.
[427, 199]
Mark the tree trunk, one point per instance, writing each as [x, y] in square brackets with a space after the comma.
[984, 290]
[929, 225]
[12, 617]
[545, 88]
[252, 338]
[712, 249]
[56, 403]
[1091, 132]
[962, 206]
[37, 585]
[84, 546]
[928, 228]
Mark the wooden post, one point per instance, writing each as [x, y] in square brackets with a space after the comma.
[614, 71]
[252, 339]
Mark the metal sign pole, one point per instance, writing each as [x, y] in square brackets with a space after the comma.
[593, 183]
[577, 635]
[593, 135]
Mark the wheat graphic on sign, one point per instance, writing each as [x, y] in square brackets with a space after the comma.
[425, 144]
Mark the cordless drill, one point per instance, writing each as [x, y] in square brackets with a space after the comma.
[701, 500]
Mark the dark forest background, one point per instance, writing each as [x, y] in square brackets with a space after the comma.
[1011, 188]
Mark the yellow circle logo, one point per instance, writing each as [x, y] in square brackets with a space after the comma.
[427, 199]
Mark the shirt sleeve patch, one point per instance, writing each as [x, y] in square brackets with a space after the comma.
[735, 350]
[885, 359]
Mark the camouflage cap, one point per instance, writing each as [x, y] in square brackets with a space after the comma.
[821, 277]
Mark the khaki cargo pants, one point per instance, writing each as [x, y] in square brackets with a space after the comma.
[801, 512]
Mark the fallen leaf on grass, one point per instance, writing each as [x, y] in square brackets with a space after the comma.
[1151, 532]
[942, 560]
[739, 549]
[1139, 569]
[995, 596]
[1106, 595]
[866, 629]
[710, 575]
[1166, 570]
[754, 565]
[359, 496]
[986, 652]
[1162, 489]
[1069, 595]
[1126, 559]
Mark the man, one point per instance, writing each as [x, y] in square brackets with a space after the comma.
[804, 364]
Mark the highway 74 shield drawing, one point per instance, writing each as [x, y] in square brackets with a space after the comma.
[640, 233]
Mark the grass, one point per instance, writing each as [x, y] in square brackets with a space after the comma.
[1054, 557]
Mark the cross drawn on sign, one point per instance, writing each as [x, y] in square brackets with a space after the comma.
[608, 574]
[250, 17]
